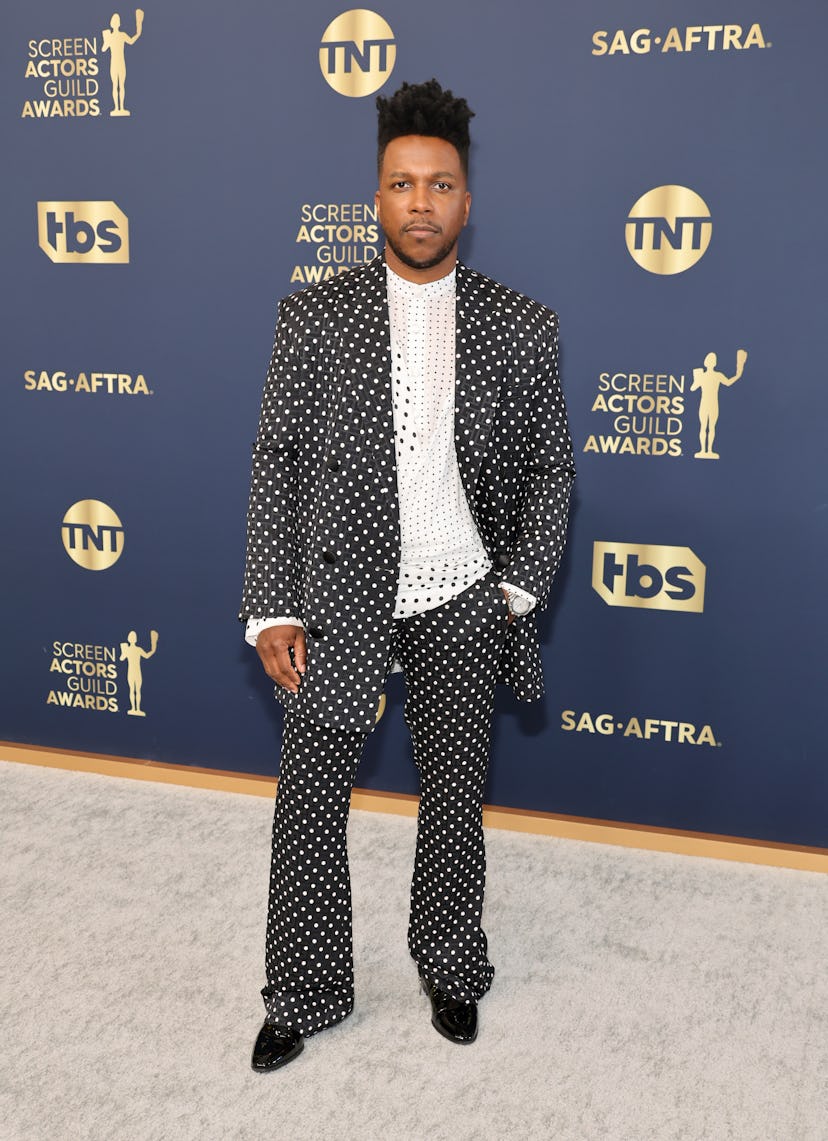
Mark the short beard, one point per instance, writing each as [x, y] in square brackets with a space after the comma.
[428, 263]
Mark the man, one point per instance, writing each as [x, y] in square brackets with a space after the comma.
[410, 487]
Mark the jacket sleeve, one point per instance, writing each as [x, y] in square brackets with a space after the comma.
[547, 479]
[271, 579]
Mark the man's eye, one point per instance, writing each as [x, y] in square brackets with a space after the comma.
[443, 185]
[400, 182]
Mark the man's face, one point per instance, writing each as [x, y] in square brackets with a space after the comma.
[423, 204]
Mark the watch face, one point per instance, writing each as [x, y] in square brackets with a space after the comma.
[519, 605]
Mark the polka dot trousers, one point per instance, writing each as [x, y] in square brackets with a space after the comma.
[449, 659]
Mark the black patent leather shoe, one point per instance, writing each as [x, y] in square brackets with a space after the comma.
[275, 1047]
[455, 1020]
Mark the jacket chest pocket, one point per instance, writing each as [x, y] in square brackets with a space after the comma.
[513, 411]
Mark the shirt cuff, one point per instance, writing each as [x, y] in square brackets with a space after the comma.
[521, 593]
[255, 626]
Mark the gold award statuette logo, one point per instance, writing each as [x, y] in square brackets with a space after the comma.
[648, 577]
[708, 380]
[94, 232]
[93, 535]
[114, 41]
[357, 53]
[133, 655]
[668, 229]
[85, 675]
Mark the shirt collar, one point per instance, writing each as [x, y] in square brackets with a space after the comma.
[402, 287]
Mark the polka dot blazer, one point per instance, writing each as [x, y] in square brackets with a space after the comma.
[323, 525]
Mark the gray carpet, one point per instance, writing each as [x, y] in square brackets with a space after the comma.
[639, 996]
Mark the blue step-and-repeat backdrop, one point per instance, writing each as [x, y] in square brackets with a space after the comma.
[654, 171]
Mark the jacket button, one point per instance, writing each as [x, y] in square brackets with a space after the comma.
[501, 559]
[333, 465]
[328, 557]
[316, 631]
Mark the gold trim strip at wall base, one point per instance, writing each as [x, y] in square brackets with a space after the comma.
[517, 820]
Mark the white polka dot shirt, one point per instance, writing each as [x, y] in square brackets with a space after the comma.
[441, 550]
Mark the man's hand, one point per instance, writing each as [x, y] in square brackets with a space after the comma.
[273, 646]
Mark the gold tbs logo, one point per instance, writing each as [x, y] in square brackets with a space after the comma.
[668, 229]
[94, 232]
[648, 577]
[357, 53]
[93, 535]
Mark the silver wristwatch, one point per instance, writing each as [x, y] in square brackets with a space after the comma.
[519, 604]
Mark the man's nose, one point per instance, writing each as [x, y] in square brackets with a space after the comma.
[421, 201]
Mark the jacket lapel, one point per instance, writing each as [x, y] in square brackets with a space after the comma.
[477, 375]
[364, 365]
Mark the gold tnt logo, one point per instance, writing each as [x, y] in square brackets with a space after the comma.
[95, 232]
[668, 229]
[358, 52]
[93, 535]
[649, 577]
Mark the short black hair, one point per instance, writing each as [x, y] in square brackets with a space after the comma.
[424, 109]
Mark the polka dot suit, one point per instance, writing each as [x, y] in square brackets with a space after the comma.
[324, 544]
